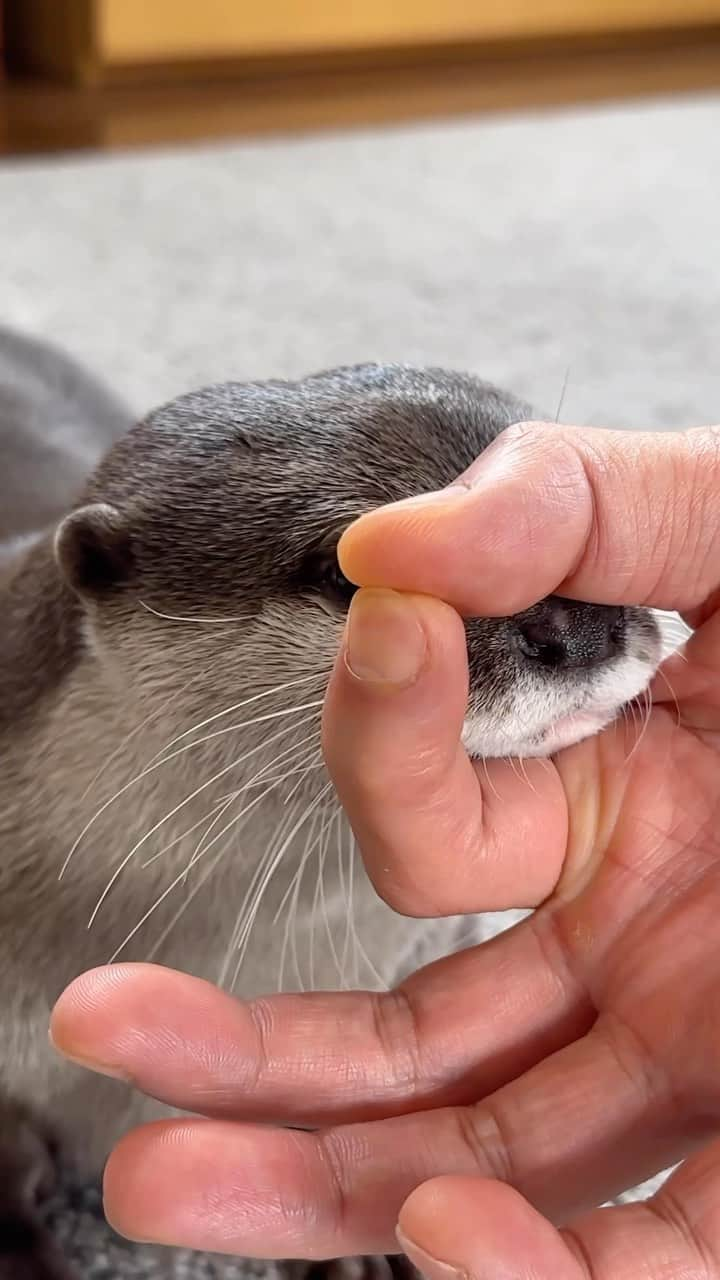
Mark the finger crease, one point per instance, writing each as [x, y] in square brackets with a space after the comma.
[396, 1029]
[666, 1207]
[332, 1160]
[579, 1249]
[481, 1130]
[262, 1021]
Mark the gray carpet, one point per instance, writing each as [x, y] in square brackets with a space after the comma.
[519, 248]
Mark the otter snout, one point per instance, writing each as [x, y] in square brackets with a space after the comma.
[569, 635]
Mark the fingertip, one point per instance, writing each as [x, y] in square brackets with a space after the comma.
[479, 1227]
[380, 548]
[135, 1195]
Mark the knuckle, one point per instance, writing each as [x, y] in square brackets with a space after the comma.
[338, 1152]
[396, 885]
[397, 1031]
[481, 1131]
[638, 1062]
[261, 1018]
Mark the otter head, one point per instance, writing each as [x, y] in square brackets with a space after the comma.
[205, 554]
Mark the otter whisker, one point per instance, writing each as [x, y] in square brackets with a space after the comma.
[202, 847]
[202, 880]
[238, 706]
[246, 724]
[198, 791]
[172, 617]
[293, 751]
[359, 948]
[287, 711]
[525, 775]
[644, 710]
[347, 882]
[351, 931]
[182, 874]
[320, 764]
[277, 859]
[293, 891]
[323, 898]
[160, 757]
[154, 715]
[561, 401]
[319, 900]
[673, 695]
[249, 897]
[483, 762]
[227, 798]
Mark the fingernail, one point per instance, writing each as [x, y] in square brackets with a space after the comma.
[430, 1267]
[385, 641]
[100, 1068]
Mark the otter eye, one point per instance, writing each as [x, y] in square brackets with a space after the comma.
[328, 577]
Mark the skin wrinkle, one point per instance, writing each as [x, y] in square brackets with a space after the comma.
[667, 1208]
[482, 1132]
[577, 1247]
[396, 1025]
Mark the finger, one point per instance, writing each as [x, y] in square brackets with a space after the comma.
[576, 1129]
[688, 680]
[405, 780]
[481, 1229]
[462, 1026]
[476, 1228]
[612, 517]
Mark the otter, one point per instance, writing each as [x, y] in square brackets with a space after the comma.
[171, 611]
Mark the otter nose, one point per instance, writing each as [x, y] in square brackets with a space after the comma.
[569, 634]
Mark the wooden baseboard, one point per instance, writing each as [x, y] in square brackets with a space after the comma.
[36, 117]
[96, 41]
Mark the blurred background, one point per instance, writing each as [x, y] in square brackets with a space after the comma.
[526, 188]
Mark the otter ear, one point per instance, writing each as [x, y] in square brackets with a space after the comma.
[93, 549]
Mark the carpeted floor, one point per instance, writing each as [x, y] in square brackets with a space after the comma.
[583, 243]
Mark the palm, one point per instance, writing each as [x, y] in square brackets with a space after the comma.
[573, 1055]
[637, 911]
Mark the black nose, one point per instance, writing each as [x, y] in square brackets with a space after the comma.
[570, 634]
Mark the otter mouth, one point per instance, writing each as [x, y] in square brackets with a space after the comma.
[574, 727]
[561, 727]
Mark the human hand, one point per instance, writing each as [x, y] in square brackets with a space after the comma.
[572, 1056]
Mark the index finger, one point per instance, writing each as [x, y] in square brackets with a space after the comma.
[613, 517]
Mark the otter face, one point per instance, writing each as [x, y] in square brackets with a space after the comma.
[222, 512]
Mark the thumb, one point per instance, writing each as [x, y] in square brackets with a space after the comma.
[614, 517]
[459, 1228]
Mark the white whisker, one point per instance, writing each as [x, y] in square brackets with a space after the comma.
[277, 859]
[181, 876]
[645, 715]
[198, 791]
[673, 695]
[188, 831]
[359, 948]
[248, 899]
[246, 905]
[323, 900]
[175, 617]
[238, 706]
[151, 768]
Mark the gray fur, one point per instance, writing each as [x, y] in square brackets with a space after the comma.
[55, 422]
[184, 582]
